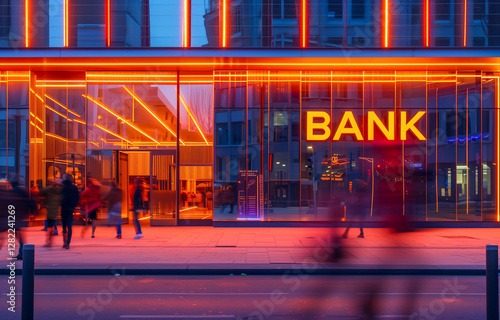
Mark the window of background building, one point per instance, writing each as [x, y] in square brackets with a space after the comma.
[222, 134]
[335, 10]
[443, 10]
[237, 133]
[479, 9]
[358, 9]
[284, 9]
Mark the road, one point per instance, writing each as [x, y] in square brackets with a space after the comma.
[287, 297]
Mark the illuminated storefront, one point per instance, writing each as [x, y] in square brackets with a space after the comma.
[262, 145]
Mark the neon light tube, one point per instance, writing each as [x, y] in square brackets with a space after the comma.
[426, 24]
[108, 23]
[26, 23]
[66, 22]
[192, 117]
[112, 133]
[465, 24]
[119, 117]
[151, 112]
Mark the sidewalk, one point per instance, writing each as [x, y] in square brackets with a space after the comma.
[208, 250]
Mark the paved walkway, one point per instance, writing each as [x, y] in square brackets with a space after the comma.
[201, 248]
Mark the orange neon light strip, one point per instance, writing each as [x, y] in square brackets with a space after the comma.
[224, 24]
[108, 23]
[26, 23]
[57, 112]
[498, 148]
[63, 106]
[187, 24]
[112, 133]
[119, 117]
[426, 24]
[151, 112]
[386, 23]
[250, 64]
[66, 22]
[304, 24]
[192, 117]
[465, 23]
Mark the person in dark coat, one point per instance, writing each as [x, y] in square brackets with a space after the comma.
[138, 207]
[24, 205]
[70, 198]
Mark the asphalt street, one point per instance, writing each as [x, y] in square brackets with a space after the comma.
[288, 297]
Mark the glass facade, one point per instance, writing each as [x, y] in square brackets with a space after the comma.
[257, 24]
[256, 145]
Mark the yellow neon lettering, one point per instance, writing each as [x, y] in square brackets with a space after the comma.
[388, 131]
[323, 125]
[405, 126]
[354, 129]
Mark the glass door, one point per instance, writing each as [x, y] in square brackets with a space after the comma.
[163, 188]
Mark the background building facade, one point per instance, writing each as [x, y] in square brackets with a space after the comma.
[207, 102]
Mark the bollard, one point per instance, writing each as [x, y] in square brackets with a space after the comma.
[492, 282]
[28, 288]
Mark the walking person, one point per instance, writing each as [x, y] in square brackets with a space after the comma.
[69, 201]
[52, 196]
[138, 207]
[360, 205]
[24, 206]
[114, 199]
[90, 201]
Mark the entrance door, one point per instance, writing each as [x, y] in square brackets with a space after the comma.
[163, 190]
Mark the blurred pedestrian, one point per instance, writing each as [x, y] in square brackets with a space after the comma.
[359, 205]
[69, 201]
[90, 201]
[138, 207]
[24, 206]
[114, 200]
[52, 195]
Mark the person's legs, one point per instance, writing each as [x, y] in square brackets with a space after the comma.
[94, 226]
[137, 223]
[232, 207]
[118, 230]
[64, 228]
[50, 232]
[69, 224]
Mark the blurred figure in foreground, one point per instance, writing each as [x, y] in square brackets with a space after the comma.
[68, 203]
[24, 205]
[5, 201]
[359, 205]
[52, 196]
[90, 202]
[114, 200]
[138, 207]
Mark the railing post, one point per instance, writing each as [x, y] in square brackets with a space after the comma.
[492, 282]
[28, 288]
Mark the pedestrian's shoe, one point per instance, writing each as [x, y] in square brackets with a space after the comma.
[119, 236]
[361, 235]
[138, 236]
[19, 256]
[92, 236]
[344, 236]
[64, 245]
[67, 246]
[55, 232]
[44, 229]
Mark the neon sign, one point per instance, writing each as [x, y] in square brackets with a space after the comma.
[318, 126]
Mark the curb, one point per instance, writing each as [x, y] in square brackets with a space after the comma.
[255, 272]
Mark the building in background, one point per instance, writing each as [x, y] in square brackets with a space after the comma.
[263, 111]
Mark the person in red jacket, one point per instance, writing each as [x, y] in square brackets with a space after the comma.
[90, 201]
